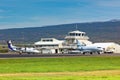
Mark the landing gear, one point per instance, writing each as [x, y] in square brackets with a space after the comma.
[91, 53]
[20, 52]
[84, 53]
[98, 52]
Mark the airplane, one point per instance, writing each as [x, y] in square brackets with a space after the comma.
[87, 49]
[21, 50]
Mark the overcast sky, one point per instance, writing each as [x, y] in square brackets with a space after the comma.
[37, 13]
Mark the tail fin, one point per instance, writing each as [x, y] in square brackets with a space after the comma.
[10, 46]
[78, 43]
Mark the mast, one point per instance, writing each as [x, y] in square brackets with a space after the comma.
[76, 27]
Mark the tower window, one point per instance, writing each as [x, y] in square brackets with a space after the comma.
[82, 34]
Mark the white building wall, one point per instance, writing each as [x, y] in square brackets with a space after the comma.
[109, 46]
[46, 51]
[117, 48]
[53, 51]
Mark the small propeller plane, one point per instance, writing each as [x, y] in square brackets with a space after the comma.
[21, 50]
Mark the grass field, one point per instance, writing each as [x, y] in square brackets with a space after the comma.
[66, 68]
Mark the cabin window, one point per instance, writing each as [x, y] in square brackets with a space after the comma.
[48, 40]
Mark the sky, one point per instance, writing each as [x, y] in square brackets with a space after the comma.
[38, 13]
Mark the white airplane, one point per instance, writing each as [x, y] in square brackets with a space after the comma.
[87, 49]
[21, 50]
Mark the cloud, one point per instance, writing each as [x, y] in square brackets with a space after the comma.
[38, 21]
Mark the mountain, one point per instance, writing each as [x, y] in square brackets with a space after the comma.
[97, 31]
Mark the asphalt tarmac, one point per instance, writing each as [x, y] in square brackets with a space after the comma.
[24, 55]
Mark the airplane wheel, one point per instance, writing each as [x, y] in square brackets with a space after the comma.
[84, 53]
[20, 53]
[91, 53]
[98, 52]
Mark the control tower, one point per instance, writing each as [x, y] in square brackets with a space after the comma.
[77, 35]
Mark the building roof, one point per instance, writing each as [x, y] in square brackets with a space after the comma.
[77, 31]
[48, 42]
[107, 44]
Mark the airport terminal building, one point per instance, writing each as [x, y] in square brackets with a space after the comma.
[55, 46]
[49, 45]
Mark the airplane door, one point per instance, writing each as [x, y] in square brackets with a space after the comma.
[56, 50]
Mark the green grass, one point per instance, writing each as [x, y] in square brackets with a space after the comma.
[62, 78]
[69, 64]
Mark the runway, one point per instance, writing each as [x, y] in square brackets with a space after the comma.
[15, 55]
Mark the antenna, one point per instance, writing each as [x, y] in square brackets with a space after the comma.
[76, 27]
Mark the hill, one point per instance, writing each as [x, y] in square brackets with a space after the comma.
[97, 31]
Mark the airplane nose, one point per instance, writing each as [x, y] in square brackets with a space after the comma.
[100, 48]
